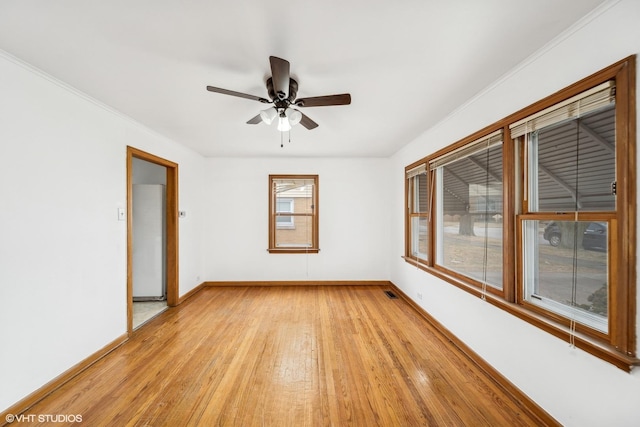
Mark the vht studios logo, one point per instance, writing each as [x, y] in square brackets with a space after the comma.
[43, 418]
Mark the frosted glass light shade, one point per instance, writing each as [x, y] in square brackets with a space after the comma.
[268, 115]
[294, 116]
[283, 124]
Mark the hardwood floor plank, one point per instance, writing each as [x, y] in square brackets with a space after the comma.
[274, 356]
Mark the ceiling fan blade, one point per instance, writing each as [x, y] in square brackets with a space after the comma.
[307, 122]
[238, 94]
[254, 121]
[321, 101]
[280, 76]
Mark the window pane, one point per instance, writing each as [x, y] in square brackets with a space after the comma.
[294, 195]
[420, 194]
[284, 221]
[419, 206]
[299, 236]
[469, 239]
[573, 164]
[304, 203]
[419, 237]
[284, 205]
[568, 275]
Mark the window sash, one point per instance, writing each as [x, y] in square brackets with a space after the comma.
[418, 212]
[567, 170]
[419, 237]
[549, 270]
[456, 249]
[419, 197]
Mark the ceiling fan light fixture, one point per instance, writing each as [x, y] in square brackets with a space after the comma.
[282, 91]
[283, 123]
[268, 115]
[294, 116]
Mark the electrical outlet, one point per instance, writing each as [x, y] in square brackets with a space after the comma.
[419, 295]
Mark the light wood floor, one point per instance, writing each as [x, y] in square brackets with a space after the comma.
[286, 356]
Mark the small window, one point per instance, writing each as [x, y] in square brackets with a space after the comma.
[418, 213]
[293, 213]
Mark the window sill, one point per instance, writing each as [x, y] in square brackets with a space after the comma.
[584, 342]
[293, 250]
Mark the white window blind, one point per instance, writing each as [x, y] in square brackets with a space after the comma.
[574, 107]
[485, 142]
[418, 170]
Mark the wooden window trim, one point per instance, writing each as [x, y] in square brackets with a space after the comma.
[315, 218]
[619, 346]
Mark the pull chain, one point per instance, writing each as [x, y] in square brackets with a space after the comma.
[282, 138]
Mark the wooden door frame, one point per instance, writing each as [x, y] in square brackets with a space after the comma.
[171, 202]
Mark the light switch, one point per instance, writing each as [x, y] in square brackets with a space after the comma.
[182, 214]
[122, 214]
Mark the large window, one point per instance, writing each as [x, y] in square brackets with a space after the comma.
[568, 203]
[293, 213]
[469, 211]
[536, 214]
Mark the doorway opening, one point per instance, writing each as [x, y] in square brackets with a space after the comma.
[152, 236]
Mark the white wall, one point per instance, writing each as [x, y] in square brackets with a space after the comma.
[353, 218]
[574, 387]
[62, 249]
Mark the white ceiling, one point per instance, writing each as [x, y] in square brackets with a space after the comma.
[407, 64]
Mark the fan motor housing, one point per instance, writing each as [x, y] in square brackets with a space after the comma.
[282, 103]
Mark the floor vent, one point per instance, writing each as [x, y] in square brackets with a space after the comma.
[391, 295]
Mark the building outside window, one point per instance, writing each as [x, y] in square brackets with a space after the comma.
[284, 205]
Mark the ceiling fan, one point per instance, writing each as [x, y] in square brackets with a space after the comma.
[282, 90]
